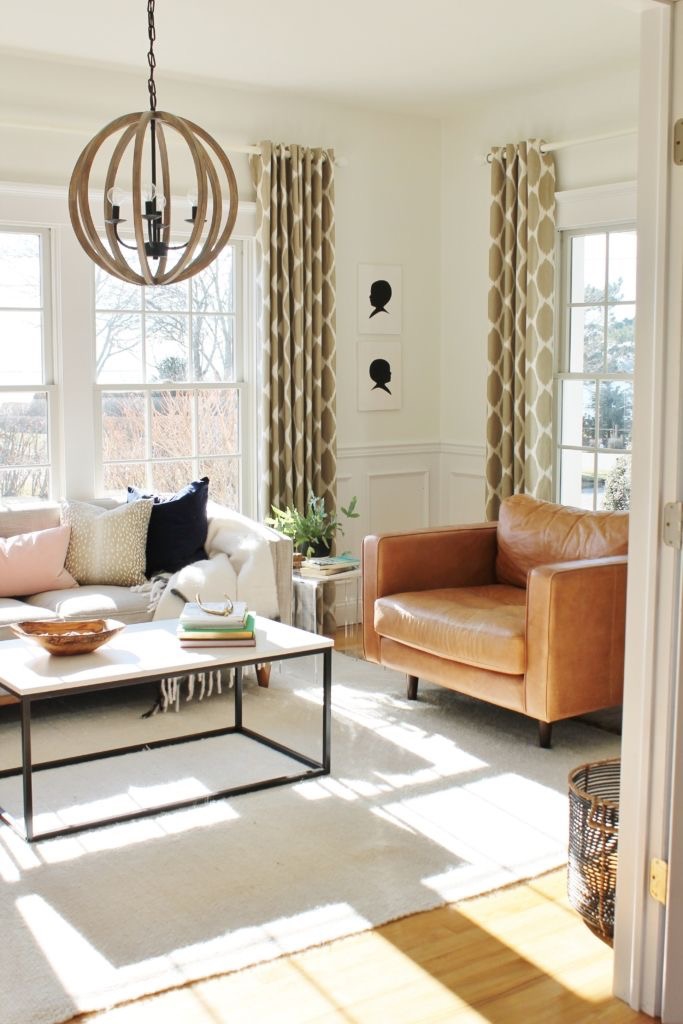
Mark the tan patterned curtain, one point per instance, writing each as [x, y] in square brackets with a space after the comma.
[519, 447]
[295, 246]
[296, 250]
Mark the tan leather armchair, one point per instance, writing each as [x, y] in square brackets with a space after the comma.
[527, 612]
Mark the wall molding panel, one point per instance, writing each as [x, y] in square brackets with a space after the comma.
[365, 451]
[406, 486]
[398, 499]
[409, 486]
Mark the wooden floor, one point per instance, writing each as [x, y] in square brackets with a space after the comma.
[518, 956]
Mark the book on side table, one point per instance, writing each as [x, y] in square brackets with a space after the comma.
[329, 565]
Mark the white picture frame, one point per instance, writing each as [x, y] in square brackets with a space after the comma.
[379, 298]
[379, 376]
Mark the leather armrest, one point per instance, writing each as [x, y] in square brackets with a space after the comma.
[575, 632]
[448, 556]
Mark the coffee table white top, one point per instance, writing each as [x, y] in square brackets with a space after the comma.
[143, 651]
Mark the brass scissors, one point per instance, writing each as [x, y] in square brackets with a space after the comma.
[223, 612]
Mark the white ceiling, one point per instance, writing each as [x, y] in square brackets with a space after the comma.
[422, 55]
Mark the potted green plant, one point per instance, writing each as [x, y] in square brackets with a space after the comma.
[312, 531]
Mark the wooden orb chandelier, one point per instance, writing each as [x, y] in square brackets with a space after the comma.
[142, 145]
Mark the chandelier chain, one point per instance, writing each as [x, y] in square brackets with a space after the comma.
[151, 59]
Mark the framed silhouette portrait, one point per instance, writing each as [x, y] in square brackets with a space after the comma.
[379, 375]
[379, 298]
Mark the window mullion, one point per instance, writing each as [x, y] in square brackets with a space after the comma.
[28, 456]
[143, 335]
[606, 308]
[208, 331]
[148, 438]
[582, 260]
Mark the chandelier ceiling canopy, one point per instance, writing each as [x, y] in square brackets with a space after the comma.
[138, 178]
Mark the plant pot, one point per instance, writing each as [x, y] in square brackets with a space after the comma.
[320, 550]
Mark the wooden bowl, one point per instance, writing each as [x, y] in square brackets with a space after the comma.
[65, 638]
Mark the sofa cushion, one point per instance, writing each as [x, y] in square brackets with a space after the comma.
[532, 532]
[31, 562]
[12, 610]
[92, 602]
[177, 527]
[18, 611]
[479, 626]
[107, 546]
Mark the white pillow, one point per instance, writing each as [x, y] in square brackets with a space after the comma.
[212, 578]
[107, 546]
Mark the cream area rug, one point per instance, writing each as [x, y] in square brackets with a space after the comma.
[428, 802]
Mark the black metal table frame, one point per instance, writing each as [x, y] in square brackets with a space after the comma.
[313, 768]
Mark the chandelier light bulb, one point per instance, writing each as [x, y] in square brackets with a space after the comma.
[153, 194]
[116, 196]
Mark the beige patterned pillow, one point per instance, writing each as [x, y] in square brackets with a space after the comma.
[107, 546]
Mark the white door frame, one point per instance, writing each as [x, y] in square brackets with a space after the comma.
[648, 936]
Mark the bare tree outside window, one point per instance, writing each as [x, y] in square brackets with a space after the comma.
[25, 390]
[167, 363]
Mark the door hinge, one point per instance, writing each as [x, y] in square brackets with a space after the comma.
[678, 142]
[659, 877]
[672, 524]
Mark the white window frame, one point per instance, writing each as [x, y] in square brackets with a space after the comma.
[244, 367]
[75, 413]
[48, 355]
[582, 211]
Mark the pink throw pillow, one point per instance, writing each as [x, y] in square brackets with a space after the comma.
[31, 563]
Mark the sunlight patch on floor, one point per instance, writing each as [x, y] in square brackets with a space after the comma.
[537, 936]
[315, 987]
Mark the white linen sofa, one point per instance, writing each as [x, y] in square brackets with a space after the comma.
[236, 546]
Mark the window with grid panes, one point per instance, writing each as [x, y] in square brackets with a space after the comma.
[27, 390]
[170, 380]
[594, 381]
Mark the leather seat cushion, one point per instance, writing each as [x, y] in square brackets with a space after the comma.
[479, 626]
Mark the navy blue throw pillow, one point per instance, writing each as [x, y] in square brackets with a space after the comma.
[177, 527]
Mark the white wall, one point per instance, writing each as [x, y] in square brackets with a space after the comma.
[388, 211]
[602, 104]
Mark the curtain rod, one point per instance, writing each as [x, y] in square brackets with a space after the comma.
[230, 147]
[550, 147]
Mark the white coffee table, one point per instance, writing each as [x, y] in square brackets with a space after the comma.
[140, 654]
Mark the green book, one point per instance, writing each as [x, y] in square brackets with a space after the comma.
[218, 632]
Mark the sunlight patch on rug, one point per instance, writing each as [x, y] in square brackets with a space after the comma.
[428, 801]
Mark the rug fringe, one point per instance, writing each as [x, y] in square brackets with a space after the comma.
[199, 686]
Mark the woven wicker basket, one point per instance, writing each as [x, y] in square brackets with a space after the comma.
[593, 843]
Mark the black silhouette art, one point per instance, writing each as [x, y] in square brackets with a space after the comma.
[380, 294]
[380, 372]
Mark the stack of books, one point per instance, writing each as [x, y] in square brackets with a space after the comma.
[198, 627]
[329, 565]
